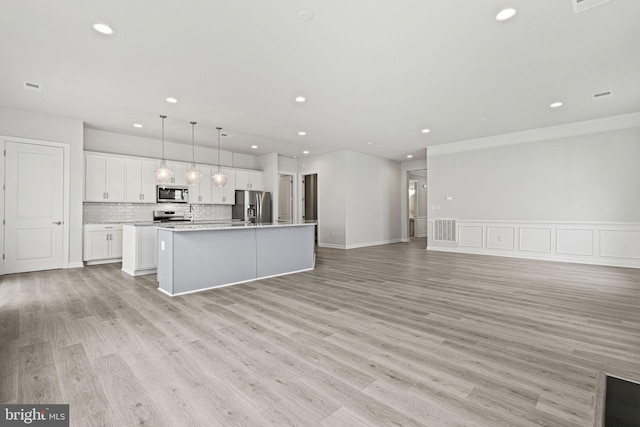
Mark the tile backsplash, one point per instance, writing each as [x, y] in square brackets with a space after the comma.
[95, 213]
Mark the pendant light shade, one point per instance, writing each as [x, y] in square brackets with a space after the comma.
[219, 179]
[193, 176]
[163, 173]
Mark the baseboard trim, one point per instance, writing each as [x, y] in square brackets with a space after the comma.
[361, 245]
[568, 259]
[74, 265]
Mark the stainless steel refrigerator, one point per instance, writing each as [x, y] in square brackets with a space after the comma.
[252, 206]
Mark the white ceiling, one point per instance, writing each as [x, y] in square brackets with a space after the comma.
[371, 70]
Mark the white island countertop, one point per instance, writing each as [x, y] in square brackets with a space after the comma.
[194, 226]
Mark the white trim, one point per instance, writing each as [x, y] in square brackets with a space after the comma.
[606, 124]
[364, 245]
[529, 255]
[77, 264]
[582, 244]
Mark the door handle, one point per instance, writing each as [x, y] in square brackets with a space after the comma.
[57, 222]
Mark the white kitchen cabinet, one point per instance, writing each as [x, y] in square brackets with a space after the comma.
[139, 249]
[102, 243]
[201, 193]
[246, 180]
[179, 170]
[225, 195]
[141, 180]
[104, 178]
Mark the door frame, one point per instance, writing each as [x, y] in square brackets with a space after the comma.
[294, 185]
[301, 194]
[66, 232]
[406, 168]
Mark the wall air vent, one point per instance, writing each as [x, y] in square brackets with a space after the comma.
[602, 95]
[582, 5]
[32, 86]
[444, 230]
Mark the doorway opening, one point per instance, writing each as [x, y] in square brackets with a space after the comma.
[413, 202]
[310, 201]
[417, 204]
[285, 198]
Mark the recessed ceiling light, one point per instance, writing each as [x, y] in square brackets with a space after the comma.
[300, 99]
[137, 125]
[556, 104]
[426, 130]
[302, 133]
[103, 29]
[409, 156]
[171, 100]
[369, 143]
[506, 14]
[254, 146]
[305, 152]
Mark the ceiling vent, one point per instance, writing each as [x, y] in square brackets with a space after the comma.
[32, 86]
[582, 5]
[602, 95]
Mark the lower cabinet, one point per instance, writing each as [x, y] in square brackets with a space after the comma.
[102, 243]
[139, 250]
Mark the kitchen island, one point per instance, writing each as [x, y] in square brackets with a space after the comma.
[195, 257]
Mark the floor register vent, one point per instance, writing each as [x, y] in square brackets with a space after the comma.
[444, 230]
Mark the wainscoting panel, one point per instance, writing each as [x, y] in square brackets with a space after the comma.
[534, 239]
[620, 243]
[501, 238]
[572, 241]
[471, 236]
[616, 244]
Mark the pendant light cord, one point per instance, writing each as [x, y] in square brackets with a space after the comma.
[219, 129]
[193, 144]
[163, 117]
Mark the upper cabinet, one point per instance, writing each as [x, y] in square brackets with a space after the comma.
[201, 192]
[104, 178]
[179, 170]
[124, 179]
[141, 180]
[246, 180]
[225, 195]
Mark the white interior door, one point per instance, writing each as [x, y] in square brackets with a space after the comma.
[34, 207]
[285, 199]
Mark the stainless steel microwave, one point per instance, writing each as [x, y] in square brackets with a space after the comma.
[172, 194]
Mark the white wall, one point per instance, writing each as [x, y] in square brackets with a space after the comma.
[331, 170]
[372, 200]
[358, 198]
[572, 198]
[29, 125]
[581, 178]
[114, 143]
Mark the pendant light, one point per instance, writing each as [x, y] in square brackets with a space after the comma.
[219, 179]
[163, 173]
[193, 176]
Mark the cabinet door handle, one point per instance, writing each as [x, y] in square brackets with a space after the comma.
[224, 199]
[107, 195]
[57, 222]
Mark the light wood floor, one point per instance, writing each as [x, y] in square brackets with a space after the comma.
[387, 335]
